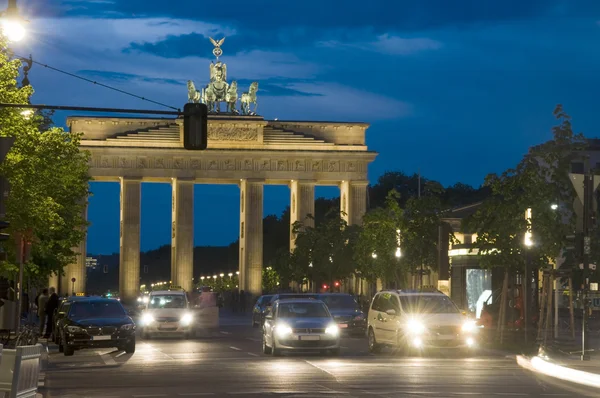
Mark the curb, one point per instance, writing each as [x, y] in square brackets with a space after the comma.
[540, 365]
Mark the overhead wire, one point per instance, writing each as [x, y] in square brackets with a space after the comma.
[100, 84]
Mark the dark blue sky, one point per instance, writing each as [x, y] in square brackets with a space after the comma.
[457, 89]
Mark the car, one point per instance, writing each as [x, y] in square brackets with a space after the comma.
[96, 323]
[60, 314]
[167, 313]
[417, 320]
[346, 312]
[258, 311]
[300, 325]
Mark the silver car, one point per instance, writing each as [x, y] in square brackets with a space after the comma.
[300, 325]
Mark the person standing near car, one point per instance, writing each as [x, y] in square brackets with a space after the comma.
[51, 305]
[42, 300]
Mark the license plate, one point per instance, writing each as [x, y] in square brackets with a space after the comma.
[343, 325]
[101, 337]
[309, 338]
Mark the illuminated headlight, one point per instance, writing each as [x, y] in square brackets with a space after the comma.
[469, 327]
[332, 330]
[147, 319]
[127, 327]
[186, 319]
[145, 300]
[415, 327]
[139, 299]
[74, 329]
[283, 330]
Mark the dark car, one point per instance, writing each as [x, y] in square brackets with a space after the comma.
[258, 311]
[346, 312]
[60, 313]
[96, 323]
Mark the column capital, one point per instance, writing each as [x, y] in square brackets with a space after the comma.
[303, 182]
[189, 180]
[355, 183]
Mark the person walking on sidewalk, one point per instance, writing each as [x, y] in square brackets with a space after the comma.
[41, 309]
[51, 305]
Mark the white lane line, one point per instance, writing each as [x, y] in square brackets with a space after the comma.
[158, 351]
[253, 354]
[120, 354]
[150, 395]
[511, 393]
[235, 348]
[254, 339]
[322, 369]
[108, 360]
[222, 332]
[192, 394]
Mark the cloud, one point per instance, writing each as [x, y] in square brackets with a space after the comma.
[389, 44]
[127, 77]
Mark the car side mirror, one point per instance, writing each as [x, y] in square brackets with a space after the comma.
[391, 312]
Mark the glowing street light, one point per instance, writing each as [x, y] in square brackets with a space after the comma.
[398, 252]
[230, 274]
[12, 23]
[528, 241]
[374, 255]
[554, 206]
[221, 275]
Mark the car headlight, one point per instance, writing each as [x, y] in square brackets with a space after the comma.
[74, 329]
[469, 327]
[415, 326]
[147, 319]
[283, 330]
[332, 330]
[128, 326]
[186, 319]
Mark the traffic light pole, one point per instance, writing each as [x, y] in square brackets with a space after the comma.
[588, 210]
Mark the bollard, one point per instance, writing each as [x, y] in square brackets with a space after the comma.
[19, 371]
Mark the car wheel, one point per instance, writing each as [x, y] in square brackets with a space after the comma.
[373, 346]
[130, 347]
[69, 351]
[265, 348]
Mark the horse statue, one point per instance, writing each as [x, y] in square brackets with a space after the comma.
[194, 96]
[210, 98]
[249, 98]
[231, 97]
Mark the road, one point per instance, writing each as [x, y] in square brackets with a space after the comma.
[230, 363]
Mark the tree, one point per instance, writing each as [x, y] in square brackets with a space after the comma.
[48, 178]
[324, 253]
[538, 182]
[377, 248]
[270, 280]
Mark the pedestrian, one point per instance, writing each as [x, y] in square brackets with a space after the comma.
[42, 300]
[51, 305]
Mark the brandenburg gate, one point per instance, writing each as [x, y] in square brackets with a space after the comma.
[243, 149]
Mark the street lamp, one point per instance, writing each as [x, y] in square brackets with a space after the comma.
[230, 274]
[374, 255]
[554, 206]
[221, 275]
[12, 23]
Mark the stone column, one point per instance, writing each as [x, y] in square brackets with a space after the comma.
[251, 236]
[78, 268]
[353, 201]
[302, 203]
[129, 260]
[53, 281]
[63, 288]
[182, 233]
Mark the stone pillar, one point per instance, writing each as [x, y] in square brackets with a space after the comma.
[251, 236]
[129, 260]
[302, 203]
[353, 201]
[63, 288]
[182, 233]
[53, 281]
[78, 268]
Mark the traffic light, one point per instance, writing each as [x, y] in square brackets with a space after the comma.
[195, 126]
[4, 236]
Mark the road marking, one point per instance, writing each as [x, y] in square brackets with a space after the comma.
[120, 354]
[235, 348]
[159, 351]
[253, 354]
[150, 395]
[190, 394]
[108, 360]
[511, 393]
[322, 369]
[222, 332]
[254, 339]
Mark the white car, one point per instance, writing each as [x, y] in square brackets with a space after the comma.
[167, 312]
[418, 320]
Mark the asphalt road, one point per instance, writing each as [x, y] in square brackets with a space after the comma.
[230, 363]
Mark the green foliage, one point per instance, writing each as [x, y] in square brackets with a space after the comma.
[270, 280]
[539, 181]
[48, 177]
[324, 253]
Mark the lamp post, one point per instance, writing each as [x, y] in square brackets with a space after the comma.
[528, 242]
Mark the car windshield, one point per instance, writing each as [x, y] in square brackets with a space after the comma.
[264, 301]
[100, 309]
[303, 310]
[339, 302]
[428, 304]
[167, 301]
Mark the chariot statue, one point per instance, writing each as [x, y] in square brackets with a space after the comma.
[218, 90]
